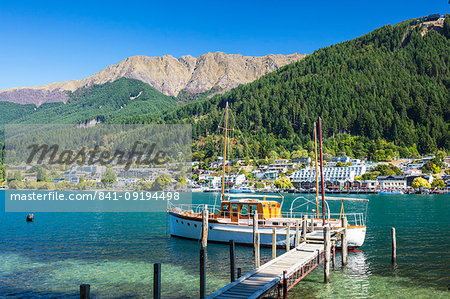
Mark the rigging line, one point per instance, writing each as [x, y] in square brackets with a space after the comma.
[243, 137]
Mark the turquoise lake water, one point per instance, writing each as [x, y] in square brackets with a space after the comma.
[115, 252]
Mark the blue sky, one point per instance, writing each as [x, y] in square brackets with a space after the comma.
[51, 41]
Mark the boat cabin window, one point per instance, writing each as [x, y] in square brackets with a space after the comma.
[251, 209]
[244, 210]
[225, 210]
[234, 208]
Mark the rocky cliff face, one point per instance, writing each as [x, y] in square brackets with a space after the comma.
[166, 74]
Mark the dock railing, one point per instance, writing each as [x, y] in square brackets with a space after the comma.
[286, 217]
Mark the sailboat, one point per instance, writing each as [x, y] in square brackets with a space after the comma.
[233, 218]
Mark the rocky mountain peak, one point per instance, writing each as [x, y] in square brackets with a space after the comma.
[167, 74]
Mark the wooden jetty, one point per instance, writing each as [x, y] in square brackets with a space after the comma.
[282, 273]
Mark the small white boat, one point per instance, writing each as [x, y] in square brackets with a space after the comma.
[242, 190]
[233, 220]
[391, 191]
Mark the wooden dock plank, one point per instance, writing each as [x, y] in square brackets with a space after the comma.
[257, 282]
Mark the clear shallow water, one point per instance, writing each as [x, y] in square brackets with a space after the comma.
[115, 252]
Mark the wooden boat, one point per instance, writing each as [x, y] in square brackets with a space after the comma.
[233, 218]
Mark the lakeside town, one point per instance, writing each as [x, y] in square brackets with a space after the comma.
[429, 174]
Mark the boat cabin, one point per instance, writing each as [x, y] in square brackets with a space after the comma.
[245, 208]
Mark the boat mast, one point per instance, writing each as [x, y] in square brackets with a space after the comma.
[317, 179]
[321, 171]
[224, 151]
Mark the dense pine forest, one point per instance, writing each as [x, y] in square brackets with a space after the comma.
[389, 87]
[381, 96]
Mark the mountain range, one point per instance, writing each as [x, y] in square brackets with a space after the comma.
[217, 71]
[383, 94]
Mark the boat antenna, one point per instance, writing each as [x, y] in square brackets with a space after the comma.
[321, 171]
[224, 151]
[317, 179]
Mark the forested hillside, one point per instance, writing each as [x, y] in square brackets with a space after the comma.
[9, 112]
[381, 95]
[99, 102]
[391, 84]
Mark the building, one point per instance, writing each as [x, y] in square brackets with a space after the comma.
[93, 169]
[447, 161]
[329, 174]
[234, 180]
[214, 181]
[369, 185]
[271, 175]
[306, 160]
[280, 167]
[340, 159]
[149, 174]
[278, 161]
[392, 182]
[218, 163]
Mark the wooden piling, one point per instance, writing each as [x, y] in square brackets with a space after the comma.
[297, 233]
[85, 291]
[274, 242]
[394, 246]
[157, 281]
[202, 274]
[205, 227]
[304, 227]
[333, 250]
[327, 246]
[239, 272]
[288, 238]
[256, 240]
[344, 242]
[285, 285]
[312, 224]
[232, 261]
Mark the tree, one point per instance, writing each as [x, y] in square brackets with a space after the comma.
[64, 185]
[83, 185]
[45, 185]
[14, 176]
[420, 182]
[41, 175]
[389, 169]
[259, 185]
[2, 173]
[285, 154]
[143, 185]
[438, 183]
[431, 167]
[109, 176]
[435, 169]
[162, 182]
[15, 184]
[283, 183]
[273, 155]
[299, 154]
[181, 185]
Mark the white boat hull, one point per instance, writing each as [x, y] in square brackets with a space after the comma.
[191, 228]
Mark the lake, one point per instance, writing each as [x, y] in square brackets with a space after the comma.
[115, 252]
